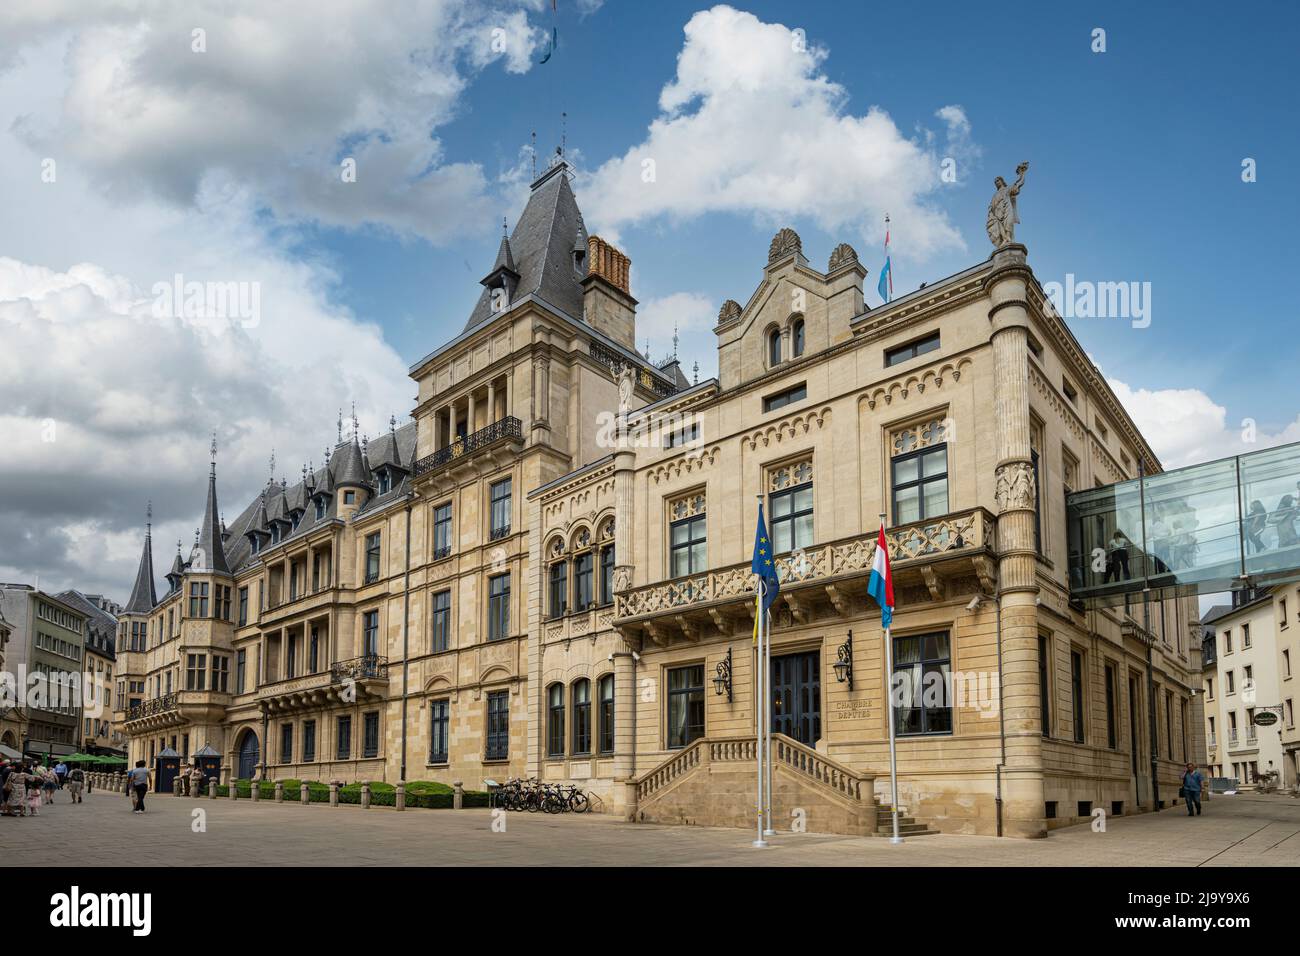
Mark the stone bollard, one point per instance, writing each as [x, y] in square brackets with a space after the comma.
[365, 796]
[233, 792]
[305, 797]
[212, 789]
[334, 794]
[255, 791]
[457, 794]
[279, 791]
[176, 787]
[399, 801]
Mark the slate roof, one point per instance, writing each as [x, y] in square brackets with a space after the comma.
[143, 596]
[101, 623]
[541, 248]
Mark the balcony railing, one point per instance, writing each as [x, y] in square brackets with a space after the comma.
[614, 361]
[159, 705]
[506, 429]
[923, 542]
[360, 668]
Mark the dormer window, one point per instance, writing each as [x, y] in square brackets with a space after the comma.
[256, 544]
[320, 508]
[385, 481]
[275, 533]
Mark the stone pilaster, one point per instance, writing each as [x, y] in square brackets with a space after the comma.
[1024, 812]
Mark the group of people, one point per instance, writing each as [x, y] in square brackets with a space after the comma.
[28, 785]
[1282, 520]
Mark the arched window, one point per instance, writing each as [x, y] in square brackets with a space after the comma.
[606, 686]
[555, 721]
[796, 336]
[582, 716]
[774, 347]
[583, 597]
[559, 588]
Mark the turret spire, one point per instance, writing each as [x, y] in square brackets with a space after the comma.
[143, 595]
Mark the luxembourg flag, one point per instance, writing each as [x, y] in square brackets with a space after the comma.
[886, 285]
[881, 584]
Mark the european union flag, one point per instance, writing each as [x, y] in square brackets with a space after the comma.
[764, 564]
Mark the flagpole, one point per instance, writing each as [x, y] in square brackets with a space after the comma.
[893, 749]
[758, 696]
[767, 718]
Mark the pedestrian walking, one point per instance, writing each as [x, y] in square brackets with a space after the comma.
[49, 783]
[13, 789]
[34, 784]
[1191, 789]
[61, 771]
[76, 780]
[138, 780]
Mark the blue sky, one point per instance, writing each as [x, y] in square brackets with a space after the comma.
[1135, 170]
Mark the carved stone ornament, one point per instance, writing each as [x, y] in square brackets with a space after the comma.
[729, 312]
[783, 243]
[1015, 487]
[842, 255]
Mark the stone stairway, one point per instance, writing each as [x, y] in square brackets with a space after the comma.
[907, 826]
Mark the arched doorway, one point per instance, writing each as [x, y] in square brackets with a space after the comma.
[9, 740]
[248, 755]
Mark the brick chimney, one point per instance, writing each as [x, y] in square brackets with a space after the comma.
[607, 305]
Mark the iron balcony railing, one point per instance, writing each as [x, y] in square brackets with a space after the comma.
[360, 668]
[614, 361]
[159, 705]
[508, 428]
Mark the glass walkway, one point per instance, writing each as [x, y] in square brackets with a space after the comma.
[1202, 529]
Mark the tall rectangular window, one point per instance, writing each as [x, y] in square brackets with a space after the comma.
[921, 681]
[559, 588]
[343, 738]
[243, 606]
[606, 729]
[313, 651]
[370, 738]
[685, 705]
[582, 717]
[370, 633]
[309, 740]
[1076, 685]
[1044, 687]
[372, 557]
[286, 743]
[607, 574]
[688, 546]
[220, 673]
[499, 607]
[441, 638]
[439, 724]
[790, 507]
[195, 671]
[198, 600]
[291, 658]
[1169, 724]
[241, 670]
[441, 531]
[498, 726]
[920, 484]
[582, 581]
[1111, 740]
[499, 497]
[555, 720]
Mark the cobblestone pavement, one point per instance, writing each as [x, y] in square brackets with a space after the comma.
[1246, 830]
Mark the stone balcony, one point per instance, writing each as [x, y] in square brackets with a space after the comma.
[825, 580]
[350, 681]
[175, 709]
[493, 445]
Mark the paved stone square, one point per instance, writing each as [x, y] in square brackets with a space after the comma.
[1247, 830]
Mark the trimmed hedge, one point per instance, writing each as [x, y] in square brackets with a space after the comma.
[426, 794]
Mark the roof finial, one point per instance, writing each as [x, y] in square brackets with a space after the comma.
[340, 425]
[272, 465]
[534, 152]
[697, 373]
[196, 537]
[214, 453]
[354, 421]
[148, 519]
[674, 340]
[564, 132]
[304, 472]
[327, 455]
[504, 228]
[392, 423]
[178, 545]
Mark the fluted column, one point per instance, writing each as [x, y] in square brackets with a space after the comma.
[1024, 812]
[492, 403]
[624, 726]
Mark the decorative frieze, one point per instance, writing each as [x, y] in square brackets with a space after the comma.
[1015, 489]
[915, 383]
[788, 428]
[911, 438]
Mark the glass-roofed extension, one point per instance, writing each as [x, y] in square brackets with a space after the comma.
[1202, 529]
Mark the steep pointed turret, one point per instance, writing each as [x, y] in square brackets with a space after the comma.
[177, 572]
[209, 552]
[143, 595]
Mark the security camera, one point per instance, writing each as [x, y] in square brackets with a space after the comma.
[610, 658]
[636, 656]
[974, 602]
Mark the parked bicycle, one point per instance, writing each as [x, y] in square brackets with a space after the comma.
[533, 796]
